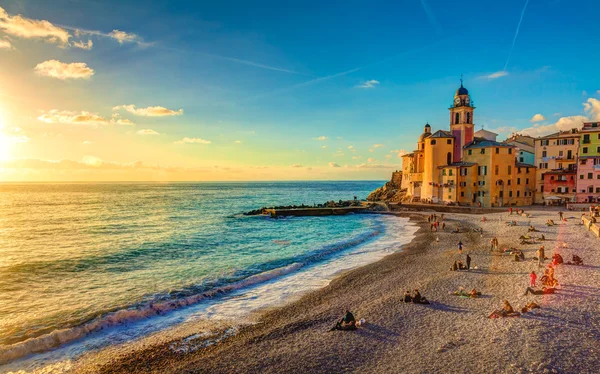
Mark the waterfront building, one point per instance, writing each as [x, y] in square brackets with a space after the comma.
[525, 148]
[461, 166]
[588, 168]
[556, 154]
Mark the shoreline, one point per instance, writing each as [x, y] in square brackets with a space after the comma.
[451, 335]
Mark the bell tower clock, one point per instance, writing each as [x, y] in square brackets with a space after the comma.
[461, 120]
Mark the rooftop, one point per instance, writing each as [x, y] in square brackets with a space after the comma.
[484, 143]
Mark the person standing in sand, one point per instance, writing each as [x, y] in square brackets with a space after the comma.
[460, 247]
[468, 262]
[560, 215]
[532, 278]
[540, 256]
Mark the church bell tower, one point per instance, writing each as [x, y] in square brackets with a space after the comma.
[461, 120]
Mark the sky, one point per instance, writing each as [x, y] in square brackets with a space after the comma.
[175, 90]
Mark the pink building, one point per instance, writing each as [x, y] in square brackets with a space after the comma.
[588, 168]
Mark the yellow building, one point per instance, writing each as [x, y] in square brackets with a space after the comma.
[457, 167]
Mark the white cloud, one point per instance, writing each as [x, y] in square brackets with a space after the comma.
[399, 152]
[388, 156]
[368, 84]
[61, 70]
[496, 75]
[356, 157]
[33, 29]
[378, 145]
[73, 118]
[323, 146]
[371, 160]
[187, 140]
[87, 142]
[321, 138]
[238, 142]
[592, 113]
[557, 114]
[374, 166]
[122, 36]
[537, 118]
[5, 44]
[350, 147]
[334, 165]
[151, 111]
[371, 150]
[296, 166]
[504, 129]
[80, 44]
[147, 132]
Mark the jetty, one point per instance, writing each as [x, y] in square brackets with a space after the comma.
[304, 212]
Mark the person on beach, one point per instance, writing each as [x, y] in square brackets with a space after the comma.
[532, 278]
[407, 297]
[442, 217]
[540, 256]
[543, 291]
[443, 226]
[461, 266]
[454, 266]
[348, 322]
[456, 230]
[560, 215]
[529, 307]
[506, 311]
[468, 262]
[510, 211]
[460, 247]
[418, 299]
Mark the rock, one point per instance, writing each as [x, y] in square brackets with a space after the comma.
[391, 191]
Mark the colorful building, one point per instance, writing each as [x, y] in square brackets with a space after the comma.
[556, 154]
[525, 148]
[588, 168]
[457, 166]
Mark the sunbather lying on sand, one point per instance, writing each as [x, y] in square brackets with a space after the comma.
[543, 291]
[461, 292]
[550, 222]
[347, 323]
[531, 228]
[529, 307]
[506, 311]
[511, 223]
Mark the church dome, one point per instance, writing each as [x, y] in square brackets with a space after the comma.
[424, 135]
[462, 90]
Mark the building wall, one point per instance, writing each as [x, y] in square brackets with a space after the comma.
[588, 179]
[526, 157]
[555, 183]
[556, 157]
[436, 154]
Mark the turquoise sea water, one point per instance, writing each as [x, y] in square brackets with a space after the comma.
[79, 258]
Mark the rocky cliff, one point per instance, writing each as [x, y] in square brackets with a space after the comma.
[390, 191]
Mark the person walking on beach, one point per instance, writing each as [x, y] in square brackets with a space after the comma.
[468, 262]
[532, 278]
[510, 211]
[540, 256]
[560, 214]
[460, 247]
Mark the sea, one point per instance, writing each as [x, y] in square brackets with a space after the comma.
[84, 266]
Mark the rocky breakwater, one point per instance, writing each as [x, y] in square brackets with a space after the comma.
[390, 191]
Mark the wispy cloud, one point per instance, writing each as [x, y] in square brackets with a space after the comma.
[537, 118]
[368, 84]
[496, 75]
[321, 138]
[378, 145]
[81, 45]
[73, 118]
[187, 140]
[592, 113]
[516, 34]
[147, 132]
[151, 111]
[122, 36]
[5, 44]
[28, 28]
[63, 71]
[431, 17]
[296, 166]
[334, 165]
[238, 142]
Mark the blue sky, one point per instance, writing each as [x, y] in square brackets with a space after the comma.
[262, 81]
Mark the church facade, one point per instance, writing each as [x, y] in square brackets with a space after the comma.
[464, 167]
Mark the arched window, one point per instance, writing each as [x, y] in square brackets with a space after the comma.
[433, 142]
[456, 118]
[448, 158]
[468, 117]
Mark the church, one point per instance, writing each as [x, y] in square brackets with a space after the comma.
[461, 166]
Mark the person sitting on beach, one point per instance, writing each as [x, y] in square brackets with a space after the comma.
[549, 222]
[454, 266]
[506, 311]
[511, 223]
[461, 266]
[456, 230]
[529, 307]
[474, 293]
[418, 299]
[577, 260]
[407, 297]
[348, 322]
[557, 259]
[543, 291]
[531, 228]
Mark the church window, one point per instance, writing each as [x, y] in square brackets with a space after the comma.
[497, 150]
[448, 158]
[433, 142]
[468, 117]
[496, 168]
[449, 141]
[456, 118]
[510, 151]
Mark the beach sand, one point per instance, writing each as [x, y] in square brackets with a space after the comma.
[453, 334]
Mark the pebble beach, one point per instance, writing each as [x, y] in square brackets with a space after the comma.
[453, 334]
